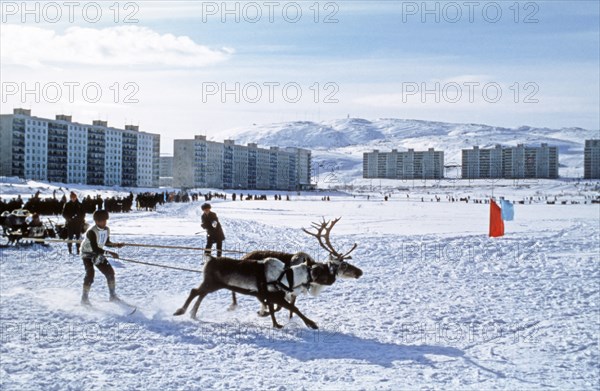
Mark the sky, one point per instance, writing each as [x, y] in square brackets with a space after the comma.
[187, 68]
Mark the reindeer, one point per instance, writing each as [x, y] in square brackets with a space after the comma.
[288, 259]
[337, 263]
[268, 280]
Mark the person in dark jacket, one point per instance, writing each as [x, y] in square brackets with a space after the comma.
[214, 231]
[93, 254]
[75, 218]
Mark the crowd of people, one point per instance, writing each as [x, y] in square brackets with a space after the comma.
[9, 206]
[257, 197]
[53, 206]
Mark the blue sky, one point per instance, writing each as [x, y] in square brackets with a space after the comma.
[379, 30]
[373, 56]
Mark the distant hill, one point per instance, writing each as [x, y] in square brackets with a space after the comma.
[340, 143]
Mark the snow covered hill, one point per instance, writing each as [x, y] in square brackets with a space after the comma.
[340, 143]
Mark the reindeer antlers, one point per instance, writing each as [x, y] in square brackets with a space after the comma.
[327, 226]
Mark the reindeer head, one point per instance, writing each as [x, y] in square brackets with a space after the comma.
[337, 260]
[322, 274]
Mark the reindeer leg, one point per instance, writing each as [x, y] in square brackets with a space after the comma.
[197, 305]
[285, 304]
[292, 302]
[264, 309]
[203, 291]
[233, 304]
[272, 311]
[193, 293]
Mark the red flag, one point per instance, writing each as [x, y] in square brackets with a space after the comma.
[496, 223]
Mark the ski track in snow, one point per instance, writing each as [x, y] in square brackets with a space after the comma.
[440, 305]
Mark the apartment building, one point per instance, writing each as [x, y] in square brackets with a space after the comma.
[404, 165]
[510, 162]
[203, 163]
[591, 159]
[60, 150]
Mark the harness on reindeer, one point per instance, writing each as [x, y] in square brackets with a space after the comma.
[287, 274]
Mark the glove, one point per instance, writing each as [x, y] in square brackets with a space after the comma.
[214, 224]
[99, 260]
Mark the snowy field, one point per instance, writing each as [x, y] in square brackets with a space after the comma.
[440, 305]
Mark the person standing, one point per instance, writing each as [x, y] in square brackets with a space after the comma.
[214, 231]
[74, 217]
[93, 254]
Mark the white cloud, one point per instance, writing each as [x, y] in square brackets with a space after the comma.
[115, 46]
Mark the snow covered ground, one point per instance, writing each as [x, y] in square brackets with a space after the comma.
[440, 305]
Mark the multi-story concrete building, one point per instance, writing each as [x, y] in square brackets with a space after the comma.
[166, 167]
[482, 163]
[591, 159]
[77, 146]
[60, 150]
[165, 172]
[24, 152]
[259, 167]
[113, 151]
[235, 165]
[510, 162]
[198, 163]
[96, 158]
[280, 166]
[183, 164]
[404, 165]
[303, 161]
[147, 168]
[57, 150]
[203, 163]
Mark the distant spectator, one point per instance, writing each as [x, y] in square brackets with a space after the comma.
[75, 218]
[214, 231]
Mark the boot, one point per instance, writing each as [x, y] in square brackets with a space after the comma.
[70, 248]
[85, 295]
[111, 291]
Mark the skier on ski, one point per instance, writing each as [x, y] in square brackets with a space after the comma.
[92, 254]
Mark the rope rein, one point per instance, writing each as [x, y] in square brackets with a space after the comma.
[137, 245]
[159, 265]
[279, 282]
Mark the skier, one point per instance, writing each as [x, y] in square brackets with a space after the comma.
[214, 231]
[92, 254]
[75, 217]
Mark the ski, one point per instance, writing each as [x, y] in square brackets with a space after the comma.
[130, 308]
[125, 305]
